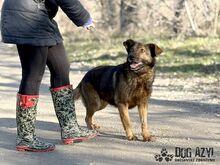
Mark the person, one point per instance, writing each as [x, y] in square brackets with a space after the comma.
[30, 25]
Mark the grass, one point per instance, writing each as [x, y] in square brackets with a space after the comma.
[190, 57]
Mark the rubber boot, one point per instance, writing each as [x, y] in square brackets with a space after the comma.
[65, 110]
[25, 117]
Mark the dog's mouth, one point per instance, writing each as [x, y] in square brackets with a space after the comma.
[136, 65]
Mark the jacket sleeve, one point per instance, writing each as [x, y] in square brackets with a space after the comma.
[75, 11]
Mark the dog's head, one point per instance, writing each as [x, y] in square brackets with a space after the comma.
[141, 56]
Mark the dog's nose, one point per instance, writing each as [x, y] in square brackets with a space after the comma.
[131, 57]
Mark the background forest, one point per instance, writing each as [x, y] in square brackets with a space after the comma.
[187, 30]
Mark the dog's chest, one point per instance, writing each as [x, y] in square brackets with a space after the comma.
[135, 92]
[139, 91]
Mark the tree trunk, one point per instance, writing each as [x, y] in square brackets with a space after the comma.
[178, 9]
[129, 16]
[111, 14]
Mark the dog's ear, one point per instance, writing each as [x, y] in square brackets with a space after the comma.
[154, 49]
[128, 44]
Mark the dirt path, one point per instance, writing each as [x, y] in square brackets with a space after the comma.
[183, 113]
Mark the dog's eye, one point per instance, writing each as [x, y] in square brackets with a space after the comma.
[142, 50]
[132, 49]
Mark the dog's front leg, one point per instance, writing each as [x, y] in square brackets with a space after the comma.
[123, 111]
[143, 112]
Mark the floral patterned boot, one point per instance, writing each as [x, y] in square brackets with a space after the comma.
[25, 116]
[65, 110]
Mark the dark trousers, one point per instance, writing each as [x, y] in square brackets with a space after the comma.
[34, 59]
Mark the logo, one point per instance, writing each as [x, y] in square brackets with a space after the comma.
[198, 154]
[163, 156]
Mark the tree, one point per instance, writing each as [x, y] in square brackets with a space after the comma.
[129, 15]
[178, 9]
[111, 14]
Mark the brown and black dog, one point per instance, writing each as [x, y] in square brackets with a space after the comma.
[125, 86]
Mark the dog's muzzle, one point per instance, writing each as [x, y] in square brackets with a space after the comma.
[135, 65]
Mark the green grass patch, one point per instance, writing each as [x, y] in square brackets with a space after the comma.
[190, 57]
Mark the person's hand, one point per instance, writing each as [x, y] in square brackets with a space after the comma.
[89, 25]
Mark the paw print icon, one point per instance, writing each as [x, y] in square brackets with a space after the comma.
[169, 158]
[163, 156]
[164, 152]
[158, 158]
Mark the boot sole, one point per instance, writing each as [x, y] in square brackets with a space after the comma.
[77, 140]
[27, 149]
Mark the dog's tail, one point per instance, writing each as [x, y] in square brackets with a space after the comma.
[76, 93]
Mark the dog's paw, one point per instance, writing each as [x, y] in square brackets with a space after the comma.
[132, 138]
[93, 126]
[149, 138]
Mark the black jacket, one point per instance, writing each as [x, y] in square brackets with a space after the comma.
[31, 21]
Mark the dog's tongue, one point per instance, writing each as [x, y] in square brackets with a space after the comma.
[135, 65]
